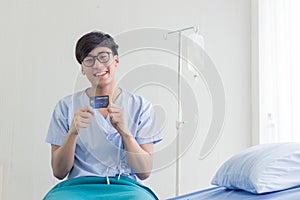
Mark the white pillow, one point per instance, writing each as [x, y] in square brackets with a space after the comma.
[262, 168]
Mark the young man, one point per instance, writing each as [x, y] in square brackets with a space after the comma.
[113, 143]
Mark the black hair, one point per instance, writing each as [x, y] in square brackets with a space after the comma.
[91, 40]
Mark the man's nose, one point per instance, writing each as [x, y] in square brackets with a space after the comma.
[99, 65]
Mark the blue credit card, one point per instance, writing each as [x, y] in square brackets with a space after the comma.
[99, 101]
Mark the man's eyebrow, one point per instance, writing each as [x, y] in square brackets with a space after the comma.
[99, 52]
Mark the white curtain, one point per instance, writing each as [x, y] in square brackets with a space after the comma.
[279, 64]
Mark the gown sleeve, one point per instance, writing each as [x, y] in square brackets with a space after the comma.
[147, 130]
[58, 127]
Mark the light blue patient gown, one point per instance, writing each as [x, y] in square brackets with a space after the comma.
[99, 149]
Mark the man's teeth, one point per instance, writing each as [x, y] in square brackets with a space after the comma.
[100, 73]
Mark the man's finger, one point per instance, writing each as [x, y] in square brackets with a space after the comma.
[88, 109]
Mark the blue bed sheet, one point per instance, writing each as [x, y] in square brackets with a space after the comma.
[221, 193]
[85, 188]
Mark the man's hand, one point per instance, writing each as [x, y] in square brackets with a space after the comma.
[81, 119]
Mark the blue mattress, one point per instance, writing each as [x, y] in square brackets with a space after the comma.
[220, 193]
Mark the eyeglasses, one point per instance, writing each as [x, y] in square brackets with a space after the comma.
[102, 57]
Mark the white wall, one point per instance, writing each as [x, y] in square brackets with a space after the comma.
[38, 68]
[1, 180]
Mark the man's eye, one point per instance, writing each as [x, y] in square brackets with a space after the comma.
[89, 60]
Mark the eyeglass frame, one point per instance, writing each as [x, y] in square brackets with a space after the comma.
[96, 57]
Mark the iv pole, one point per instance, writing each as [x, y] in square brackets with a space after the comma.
[179, 121]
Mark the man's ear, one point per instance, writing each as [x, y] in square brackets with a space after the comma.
[82, 71]
[117, 60]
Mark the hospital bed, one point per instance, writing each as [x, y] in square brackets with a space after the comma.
[222, 193]
[262, 172]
